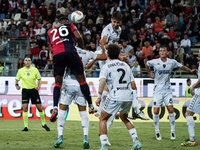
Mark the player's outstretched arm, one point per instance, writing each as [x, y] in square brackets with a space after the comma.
[196, 85]
[102, 84]
[188, 69]
[133, 85]
[79, 39]
[149, 71]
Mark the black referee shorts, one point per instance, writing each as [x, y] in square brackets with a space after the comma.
[30, 94]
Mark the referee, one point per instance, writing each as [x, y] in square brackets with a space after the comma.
[29, 74]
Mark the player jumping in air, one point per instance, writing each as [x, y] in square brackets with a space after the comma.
[162, 88]
[65, 55]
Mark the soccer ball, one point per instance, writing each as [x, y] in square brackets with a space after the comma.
[77, 17]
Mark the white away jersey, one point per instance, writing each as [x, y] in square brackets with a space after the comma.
[162, 73]
[111, 34]
[118, 77]
[70, 79]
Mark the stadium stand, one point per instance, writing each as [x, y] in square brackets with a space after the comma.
[166, 22]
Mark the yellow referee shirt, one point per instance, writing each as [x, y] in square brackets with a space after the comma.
[28, 77]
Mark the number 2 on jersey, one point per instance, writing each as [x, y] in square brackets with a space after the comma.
[122, 76]
[60, 30]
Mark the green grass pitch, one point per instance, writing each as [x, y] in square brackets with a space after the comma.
[12, 138]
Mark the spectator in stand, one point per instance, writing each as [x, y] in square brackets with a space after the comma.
[100, 16]
[172, 33]
[152, 14]
[21, 24]
[126, 48]
[37, 62]
[3, 32]
[196, 8]
[177, 25]
[158, 26]
[29, 54]
[176, 9]
[44, 52]
[139, 50]
[150, 36]
[56, 22]
[49, 66]
[41, 31]
[170, 48]
[161, 11]
[43, 62]
[12, 7]
[24, 32]
[191, 62]
[61, 8]
[31, 32]
[192, 38]
[14, 32]
[25, 11]
[3, 25]
[142, 32]
[143, 17]
[35, 50]
[170, 55]
[179, 54]
[97, 9]
[133, 16]
[156, 50]
[165, 40]
[137, 25]
[131, 58]
[125, 18]
[43, 11]
[4, 42]
[59, 14]
[4, 7]
[151, 56]
[141, 61]
[184, 3]
[90, 24]
[187, 10]
[182, 19]
[124, 33]
[33, 10]
[115, 8]
[12, 22]
[136, 69]
[39, 41]
[189, 26]
[186, 44]
[69, 6]
[130, 34]
[100, 26]
[134, 6]
[196, 30]
[20, 63]
[170, 18]
[149, 24]
[151, 6]
[50, 16]
[147, 49]
[1, 68]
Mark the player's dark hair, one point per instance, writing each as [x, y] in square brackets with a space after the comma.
[27, 57]
[188, 80]
[113, 51]
[163, 46]
[63, 18]
[117, 15]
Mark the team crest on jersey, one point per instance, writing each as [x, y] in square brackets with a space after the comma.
[164, 65]
[158, 63]
[28, 74]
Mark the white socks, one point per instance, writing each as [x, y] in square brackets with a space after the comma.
[156, 123]
[85, 123]
[191, 126]
[135, 102]
[103, 99]
[133, 134]
[61, 121]
[172, 122]
[103, 139]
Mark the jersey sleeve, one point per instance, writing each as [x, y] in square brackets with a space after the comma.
[150, 63]
[38, 74]
[177, 64]
[73, 27]
[93, 55]
[18, 77]
[106, 33]
[103, 73]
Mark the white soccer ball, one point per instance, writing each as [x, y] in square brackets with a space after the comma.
[77, 17]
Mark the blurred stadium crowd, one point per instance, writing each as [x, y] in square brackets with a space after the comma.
[146, 25]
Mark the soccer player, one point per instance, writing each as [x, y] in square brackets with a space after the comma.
[71, 90]
[65, 55]
[194, 107]
[119, 79]
[29, 74]
[162, 89]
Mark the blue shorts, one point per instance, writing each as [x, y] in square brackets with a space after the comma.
[69, 59]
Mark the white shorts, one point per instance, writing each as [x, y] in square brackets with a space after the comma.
[72, 92]
[159, 98]
[112, 107]
[194, 105]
